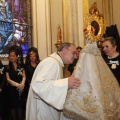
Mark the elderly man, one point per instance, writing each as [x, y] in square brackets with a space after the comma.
[48, 88]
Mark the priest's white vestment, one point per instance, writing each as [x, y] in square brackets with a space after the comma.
[48, 90]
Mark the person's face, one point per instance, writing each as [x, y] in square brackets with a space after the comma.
[108, 48]
[33, 57]
[70, 54]
[78, 52]
[13, 57]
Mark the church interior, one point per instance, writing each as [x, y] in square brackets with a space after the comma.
[46, 24]
[69, 15]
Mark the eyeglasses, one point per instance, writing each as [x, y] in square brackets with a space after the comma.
[73, 52]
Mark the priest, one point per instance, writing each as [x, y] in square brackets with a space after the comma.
[48, 88]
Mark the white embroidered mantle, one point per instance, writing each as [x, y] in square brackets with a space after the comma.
[98, 97]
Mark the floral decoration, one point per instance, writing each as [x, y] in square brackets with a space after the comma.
[20, 71]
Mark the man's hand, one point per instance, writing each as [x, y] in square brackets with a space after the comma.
[73, 82]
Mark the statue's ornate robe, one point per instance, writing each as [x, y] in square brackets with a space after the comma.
[98, 97]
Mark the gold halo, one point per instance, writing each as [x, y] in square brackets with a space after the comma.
[89, 34]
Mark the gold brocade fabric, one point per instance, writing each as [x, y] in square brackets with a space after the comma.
[98, 97]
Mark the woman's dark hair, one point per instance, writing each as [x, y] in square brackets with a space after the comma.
[10, 63]
[18, 52]
[30, 51]
[1, 65]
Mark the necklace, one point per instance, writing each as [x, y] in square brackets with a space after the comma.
[114, 56]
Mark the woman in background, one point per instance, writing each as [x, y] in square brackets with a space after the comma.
[31, 63]
[113, 56]
[15, 76]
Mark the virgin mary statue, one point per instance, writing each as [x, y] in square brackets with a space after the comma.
[98, 97]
